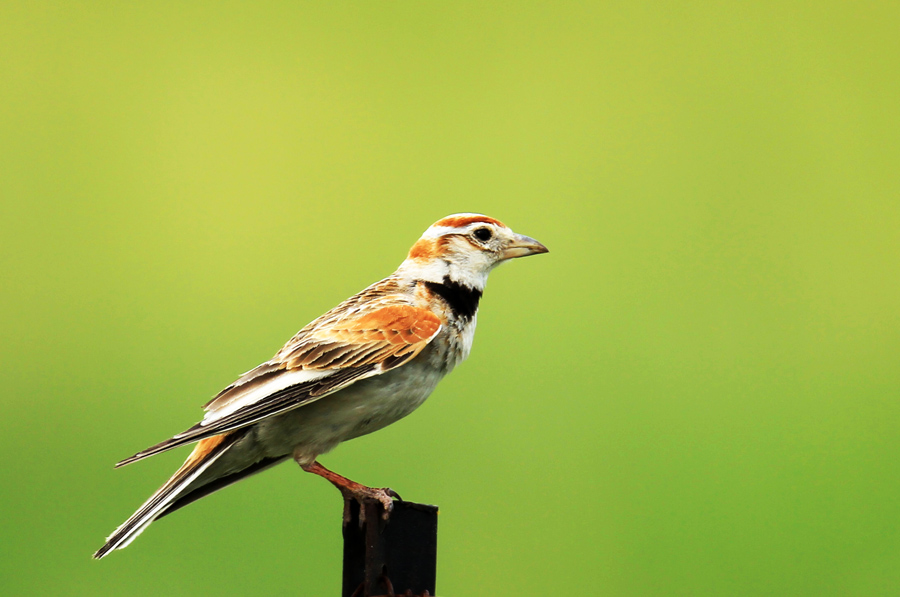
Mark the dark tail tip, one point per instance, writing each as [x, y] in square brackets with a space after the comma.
[103, 551]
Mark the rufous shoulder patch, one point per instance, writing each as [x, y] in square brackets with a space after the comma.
[388, 336]
[413, 324]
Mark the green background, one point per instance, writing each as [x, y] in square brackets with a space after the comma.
[694, 393]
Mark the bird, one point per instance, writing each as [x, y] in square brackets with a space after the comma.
[361, 366]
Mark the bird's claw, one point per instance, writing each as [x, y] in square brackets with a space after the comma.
[384, 495]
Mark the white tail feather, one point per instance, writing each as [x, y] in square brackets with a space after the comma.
[164, 496]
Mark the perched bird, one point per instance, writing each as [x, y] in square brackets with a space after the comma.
[365, 364]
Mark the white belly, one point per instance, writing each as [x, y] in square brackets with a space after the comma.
[361, 408]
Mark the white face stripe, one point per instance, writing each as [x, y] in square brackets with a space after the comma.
[437, 231]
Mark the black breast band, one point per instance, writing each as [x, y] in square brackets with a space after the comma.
[463, 300]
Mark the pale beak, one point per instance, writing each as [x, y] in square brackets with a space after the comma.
[522, 246]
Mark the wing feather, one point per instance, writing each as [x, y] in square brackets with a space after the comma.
[341, 347]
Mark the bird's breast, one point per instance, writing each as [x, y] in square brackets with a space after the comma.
[366, 405]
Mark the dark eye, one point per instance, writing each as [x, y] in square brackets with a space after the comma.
[483, 234]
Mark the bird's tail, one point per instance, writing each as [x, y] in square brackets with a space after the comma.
[205, 454]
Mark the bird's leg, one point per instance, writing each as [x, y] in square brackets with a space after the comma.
[353, 490]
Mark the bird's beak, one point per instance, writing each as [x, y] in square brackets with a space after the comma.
[522, 246]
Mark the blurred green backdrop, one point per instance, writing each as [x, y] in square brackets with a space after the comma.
[695, 393]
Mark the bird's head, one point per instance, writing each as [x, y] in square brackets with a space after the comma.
[465, 248]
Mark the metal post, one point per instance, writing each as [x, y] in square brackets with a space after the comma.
[397, 556]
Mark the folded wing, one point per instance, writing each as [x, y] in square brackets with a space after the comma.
[328, 355]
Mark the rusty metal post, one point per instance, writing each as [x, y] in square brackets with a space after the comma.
[394, 556]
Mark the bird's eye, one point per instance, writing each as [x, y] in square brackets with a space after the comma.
[483, 234]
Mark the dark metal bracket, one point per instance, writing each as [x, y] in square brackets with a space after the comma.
[383, 556]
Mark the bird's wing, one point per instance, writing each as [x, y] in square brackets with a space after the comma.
[338, 349]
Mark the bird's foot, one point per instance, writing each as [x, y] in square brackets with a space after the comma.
[367, 495]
